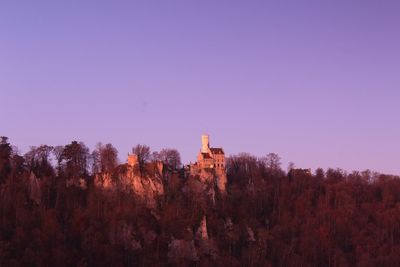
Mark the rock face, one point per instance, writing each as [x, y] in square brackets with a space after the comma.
[122, 233]
[147, 185]
[201, 190]
[206, 176]
[210, 165]
[104, 180]
[216, 177]
[76, 182]
[250, 235]
[205, 182]
[35, 192]
[221, 181]
[206, 245]
[182, 250]
[201, 233]
[228, 225]
[193, 247]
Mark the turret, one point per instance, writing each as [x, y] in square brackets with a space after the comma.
[132, 160]
[205, 145]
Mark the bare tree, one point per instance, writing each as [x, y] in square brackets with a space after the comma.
[38, 160]
[242, 165]
[155, 156]
[105, 158]
[291, 166]
[57, 152]
[143, 154]
[75, 156]
[319, 173]
[39, 154]
[5, 154]
[170, 157]
[95, 160]
[272, 161]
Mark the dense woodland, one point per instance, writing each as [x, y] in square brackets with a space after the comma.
[267, 217]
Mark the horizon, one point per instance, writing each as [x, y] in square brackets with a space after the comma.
[284, 164]
[316, 83]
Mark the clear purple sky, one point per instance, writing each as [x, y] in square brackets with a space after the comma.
[317, 82]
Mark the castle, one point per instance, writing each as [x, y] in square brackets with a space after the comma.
[210, 157]
[210, 165]
[132, 160]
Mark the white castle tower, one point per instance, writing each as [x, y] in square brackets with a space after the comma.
[211, 158]
[205, 143]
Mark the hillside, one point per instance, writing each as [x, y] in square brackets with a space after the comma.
[67, 206]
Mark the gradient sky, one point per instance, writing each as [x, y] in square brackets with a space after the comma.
[317, 82]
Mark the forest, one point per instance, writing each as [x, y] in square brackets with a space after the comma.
[69, 206]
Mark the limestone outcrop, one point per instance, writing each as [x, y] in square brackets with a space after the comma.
[182, 250]
[35, 192]
[147, 184]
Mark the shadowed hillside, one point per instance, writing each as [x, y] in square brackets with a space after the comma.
[67, 206]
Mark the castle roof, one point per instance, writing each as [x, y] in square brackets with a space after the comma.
[206, 155]
[217, 150]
